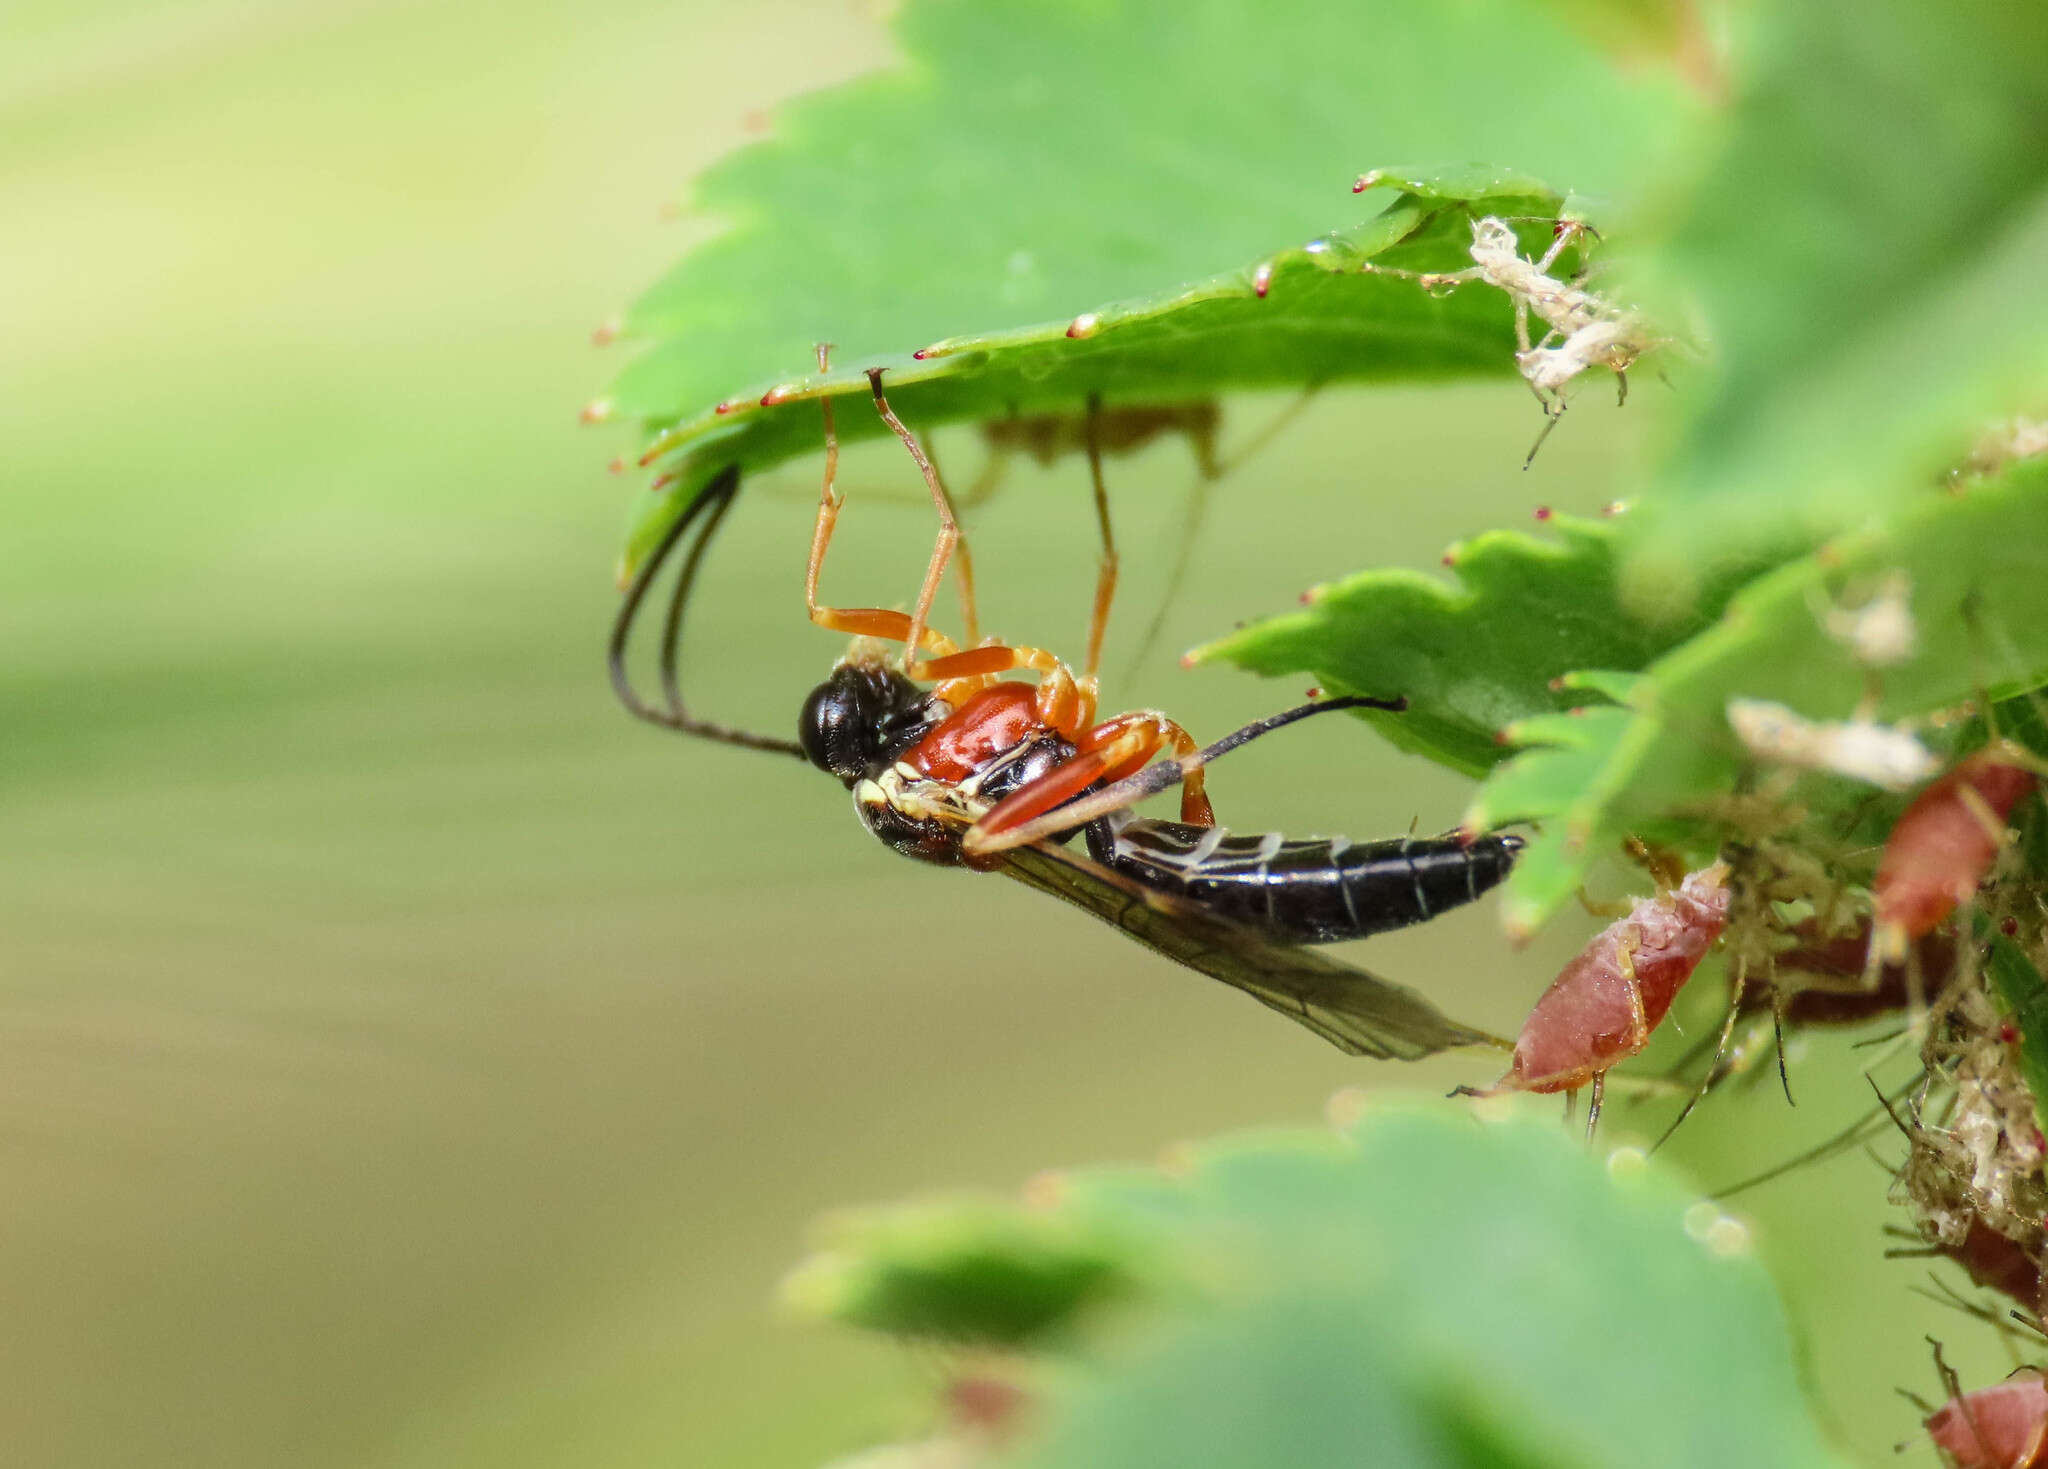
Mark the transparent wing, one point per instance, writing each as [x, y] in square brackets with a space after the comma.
[1359, 1013]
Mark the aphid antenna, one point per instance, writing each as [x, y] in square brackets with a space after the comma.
[1550, 419]
[1920, 1405]
[1906, 1130]
[1880, 1162]
[1851, 1136]
[1778, 1038]
[1942, 1293]
[706, 513]
[1677, 1071]
[1736, 989]
[1953, 1385]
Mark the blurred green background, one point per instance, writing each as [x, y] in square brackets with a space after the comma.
[408, 1060]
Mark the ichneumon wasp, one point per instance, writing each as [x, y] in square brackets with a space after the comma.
[994, 773]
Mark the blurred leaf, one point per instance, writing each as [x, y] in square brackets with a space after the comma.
[962, 1270]
[1293, 1384]
[1024, 166]
[1866, 250]
[2024, 996]
[1981, 606]
[1424, 1291]
[1473, 658]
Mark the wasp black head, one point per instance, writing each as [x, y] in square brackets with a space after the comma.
[860, 719]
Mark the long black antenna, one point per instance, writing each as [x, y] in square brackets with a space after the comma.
[710, 507]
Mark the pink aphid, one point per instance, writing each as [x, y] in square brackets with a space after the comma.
[1999, 1427]
[1943, 846]
[1601, 1009]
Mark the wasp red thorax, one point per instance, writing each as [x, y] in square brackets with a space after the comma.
[996, 719]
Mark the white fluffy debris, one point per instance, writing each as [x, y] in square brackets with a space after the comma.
[1878, 754]
[1881, 632]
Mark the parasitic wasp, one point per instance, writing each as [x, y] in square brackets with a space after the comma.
[951, 762]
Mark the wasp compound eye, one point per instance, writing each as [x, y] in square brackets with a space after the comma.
[835, 728]
[859, 719]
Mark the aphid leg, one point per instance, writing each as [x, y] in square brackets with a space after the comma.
[949, 525]
[1106, 568]
[1920, 1405]
[1639, 1021]
[1621, 390]
[1563, 234]
[1666, 867]
[1916, 992]
[1639, 1024]
[1604, 907]
[1778, 1036]
[1720, 1051]
[1429, 280]
[1552, 412]
[1953, 1386]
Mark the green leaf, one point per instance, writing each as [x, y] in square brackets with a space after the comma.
[1474, 657]
[965, 1270]
[1981, 606]
[1320, 320]
[2024, 996]
[1424, 1291]
[1026, 166]
[1865, 249]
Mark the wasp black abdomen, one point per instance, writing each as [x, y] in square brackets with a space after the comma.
[1306, 891]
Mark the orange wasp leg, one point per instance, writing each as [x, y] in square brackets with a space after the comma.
[949, 525]
[1065, 704]
[865, 622]
[1105, 575]
[970, 615]
[1110, 751]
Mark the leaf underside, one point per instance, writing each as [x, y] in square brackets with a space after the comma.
[1321, 320]
[1007, 178]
